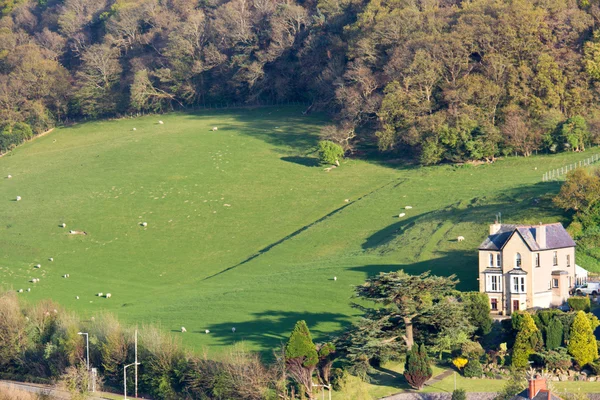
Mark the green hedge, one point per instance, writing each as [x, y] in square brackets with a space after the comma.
[580, 303]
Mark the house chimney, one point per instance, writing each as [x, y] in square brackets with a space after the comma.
[540, 236]
[495, 227]
[536, 383]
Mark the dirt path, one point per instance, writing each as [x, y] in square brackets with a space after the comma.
[46, 389]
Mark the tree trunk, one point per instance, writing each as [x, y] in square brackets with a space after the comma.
[408, 337]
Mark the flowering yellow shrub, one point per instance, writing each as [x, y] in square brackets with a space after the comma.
[460, 362]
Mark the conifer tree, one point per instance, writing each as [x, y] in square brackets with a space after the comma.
[417, 370]
[582, 342]
[301, 357]
[525, 342]
[554, 334]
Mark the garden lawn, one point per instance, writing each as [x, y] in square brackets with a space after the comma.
[244, 229]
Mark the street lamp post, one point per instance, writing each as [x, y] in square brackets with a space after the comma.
[125, 378]
[87, 345]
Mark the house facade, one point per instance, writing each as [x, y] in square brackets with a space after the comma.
[523, 266]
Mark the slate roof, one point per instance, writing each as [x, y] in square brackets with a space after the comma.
[556, 237]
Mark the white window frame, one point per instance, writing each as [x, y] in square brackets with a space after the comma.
[518, 284]
[493, 283]
[554, 282]
[498, 260]
[555, 259]
[491, 259]
[518, 260]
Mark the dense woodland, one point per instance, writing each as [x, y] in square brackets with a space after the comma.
[437, 80]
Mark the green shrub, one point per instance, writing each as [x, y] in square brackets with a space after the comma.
[595, 367]
[477, 305]
[417, 370]
[471, 350]
[554, 334]
[556, 359]
[525, 342]
[473, 369]
[582, 342]
[459, 394]
[329, 152]
[579, 303]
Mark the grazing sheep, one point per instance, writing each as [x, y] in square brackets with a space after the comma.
[401, 215]
[9, 177]
[134, 129]
[93, 318]
[160, 122]
[347, 200]
[18, 198]
[108, 295]
[77, 297]
[183, 329]
[29, 289]
[38, 266]
[335, 278]
[233, 329]
[64, 276]
[460, 238]
[100, 294]
[20, 290]
[68, 276]
[226, 205]
[408, 207]
[144, 224]
[215, 128]
[51, 259]
[207, 331]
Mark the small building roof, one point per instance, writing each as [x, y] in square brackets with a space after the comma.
[556, 237]
[559, 272]
[517, 271]
[541, 395]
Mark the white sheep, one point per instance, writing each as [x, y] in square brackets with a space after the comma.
[9, 177]
[20, 290]
[29, 289]
[347, 200]
[134, 129]
[63, 225]
[51, 259]
[460, 238]
[18, 198]
[408, 207]
[144, 224]
[38, 266]
[77, 297]
[160, 122]
[64, 276]
[215, 128]
[335, 278]
[233, 329]
[401, 215]
[183, 329]
[68, 276]
[100, 294]
[207, 331]
[108, 295]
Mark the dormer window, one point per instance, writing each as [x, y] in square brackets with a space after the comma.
[491, 260]
[518, 260]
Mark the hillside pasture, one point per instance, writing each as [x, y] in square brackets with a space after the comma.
[244, 229]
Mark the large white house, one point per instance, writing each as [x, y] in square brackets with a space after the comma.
[523, 266]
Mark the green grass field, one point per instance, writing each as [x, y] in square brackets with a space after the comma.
[243, 228]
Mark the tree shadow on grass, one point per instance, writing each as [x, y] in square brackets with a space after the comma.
[269, 329]
[305, 161]
[382, 376]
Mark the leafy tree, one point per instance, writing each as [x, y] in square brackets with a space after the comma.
[478, 308]
[404, 298]
[575, 133]
[301, 357]
[582, 342]
[417, 370]
[329, 152]
[525, 342]
[579, 303]
[554, 334]
[580, 192]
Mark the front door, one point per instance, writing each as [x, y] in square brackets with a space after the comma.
[515, 305]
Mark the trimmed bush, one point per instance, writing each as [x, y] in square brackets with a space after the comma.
[417, 370]
[554, 334]
[473, 369]
[579, 303]
[459, 394]
[582, 343]
[330, 152]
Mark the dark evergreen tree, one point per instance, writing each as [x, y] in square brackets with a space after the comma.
[554, 334]
[417, 370]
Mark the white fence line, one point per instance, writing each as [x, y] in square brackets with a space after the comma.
[562, 171]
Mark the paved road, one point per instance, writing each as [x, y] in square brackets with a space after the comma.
[43, 389]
